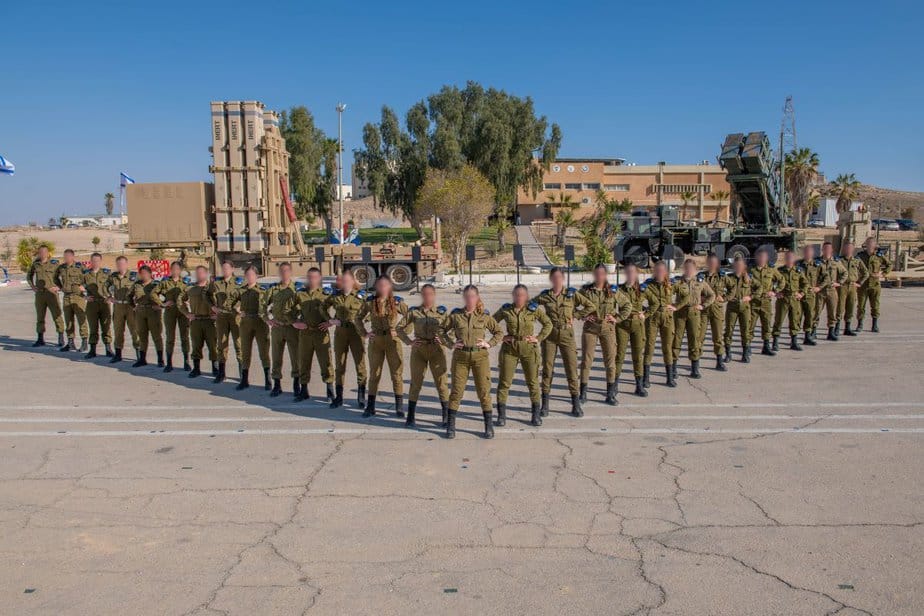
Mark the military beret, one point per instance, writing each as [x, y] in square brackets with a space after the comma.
[106, 270]
[299, 286]
[701, 276]
[239, 280]
[361, 294]
[614, 287]
[643, 286]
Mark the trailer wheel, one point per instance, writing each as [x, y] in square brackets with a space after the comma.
[675, 254]
[737, 252]
[402, 277]
[364, 275]
[770, 249]
[636, 255]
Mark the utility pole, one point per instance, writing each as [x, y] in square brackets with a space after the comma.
[341, 107]
[787, 143]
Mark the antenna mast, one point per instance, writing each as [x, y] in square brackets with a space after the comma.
[787, 144]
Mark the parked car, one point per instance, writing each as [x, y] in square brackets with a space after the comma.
[53, 227]
[815, 222]
[906, 224]
[886, 224]
[73, 225]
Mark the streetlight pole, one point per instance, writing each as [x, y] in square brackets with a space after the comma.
[341, 107]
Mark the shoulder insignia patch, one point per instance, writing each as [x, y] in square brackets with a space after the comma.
[533, 306]
[54, 261]
[507, 306]
[327, 291]
[570, 292]
[441, 309]
[361, 294]
[456, 310]
[398, 299]
[106, 270]
[701, 277]
[643, 286]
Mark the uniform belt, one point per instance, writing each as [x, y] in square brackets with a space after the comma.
[517, 338]
[382, 332]
[471, 349]
[251, 316]
[226, 311]
[346, 323]
[121, 301]
[72, 293]
[425, 340]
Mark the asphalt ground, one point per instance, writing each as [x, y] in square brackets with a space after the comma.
[792, 485]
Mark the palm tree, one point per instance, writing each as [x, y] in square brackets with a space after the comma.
[686, 198]
[606, 217]
[720, 196]
[109, 200]
[846, 187]
[501, 224]
[564, 220]
[801, 169]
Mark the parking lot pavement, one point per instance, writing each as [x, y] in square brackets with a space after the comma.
[792, 485]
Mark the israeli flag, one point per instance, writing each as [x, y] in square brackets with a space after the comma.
[125, 180]
[7, 166]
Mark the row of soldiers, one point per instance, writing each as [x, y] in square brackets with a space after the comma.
[298, 320]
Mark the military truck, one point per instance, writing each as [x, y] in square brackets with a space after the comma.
[246, 215]
[756, 220]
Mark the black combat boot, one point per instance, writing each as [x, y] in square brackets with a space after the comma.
[794, 344]
[277, 388]
[583, 392]
[83, 345]
[837, 329]
[39, 341]
[186, 362]
[220, 376]
[767, 349]
[671, 377]
[196, 369]
[640, 390]
[116, 357]
[610, 394]
[69, 346]
[214, 368]
[831, 335]
[776, 344]
[859, 326]
[875, 328]
[370, 407]
[445, 406]
[108, 349]
[169, 366]
[301, 392]
[847, 330]
[544, 409]
[266, 379]
[337, 402]
[674, 369]
[720, 364]
[61, 342]
[331, 396]
[91, 353]
[399, 407]
[411, 422]
[646, 377]
[245, 380]
[576, 409]
[489, 425]
[815, 334]
[451, 424]
[694, 370]
[728, 353]
[160, 359]
[361, 395]
[141, 361]
[536, 420]
[501, 414]
[807, 339]
[746, 355]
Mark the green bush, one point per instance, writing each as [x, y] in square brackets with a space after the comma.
[596, 253]
[27, 249]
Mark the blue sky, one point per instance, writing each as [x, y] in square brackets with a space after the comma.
[91, 88]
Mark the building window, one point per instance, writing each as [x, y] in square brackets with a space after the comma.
[573, 186]
[592, 186]
[552, 186]
[616, 187]
[676, 189]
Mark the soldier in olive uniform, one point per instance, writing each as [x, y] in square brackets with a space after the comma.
[813, 276]
[387, 315]
[346, 302]
[663, 301]
[95, 286]
[147, 301]
[520, 345]
[312, 318]
[793, 287]
[737, 290]
[766, 279]
[172, 288]
[714, 315]
[878, 265]
[596, 305]
[196, 305]
[249, 299]
[559, 305]
[689, 319]
[281, 302]
[121, 282]
[470, 332]
[227, 319]
[425, 323]
[833, 274]
[857, 275]
[630, 332]
[41, 279]
[69, 278]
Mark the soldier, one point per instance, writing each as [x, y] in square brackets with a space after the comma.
[172, 288]
[466, 332]
[737, 289]
[857, 275]
[95, 287]
[793, 287]
[714, 315]
[597, 307]
[765, 280]
[227, 320]
[878, 265]
[520, 345]
[196, 305]
[41, 279]
[663, 301]
[312, 319]
[387, 315]
[281, 302]
[559, 305]
[147, 301]
[347, 302]
[69, 278]
[425, 323]
[832, 275]
[123, 315]
[631, 330]
[813, 275]
[689, 319]
[249, 300]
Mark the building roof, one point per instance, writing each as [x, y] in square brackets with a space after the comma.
[613, 160]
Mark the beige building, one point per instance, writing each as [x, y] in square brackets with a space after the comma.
[644, 185]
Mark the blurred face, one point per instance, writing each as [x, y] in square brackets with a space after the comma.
[713, 264]
[790, 259]
[689, 270]
[382, 287]
[122, 265]
[176, 271]
[96, 262]
[631, 274]
[520, 296]
[557, 280]
[848, 250]
[871, 246]
[250, 276]
[600, 279]
[338, 281]
[428, 297]
[660, 271]
[144, 275]
[762, 258]
[740, 267]
[827, 251]
[69, 258]
[43, 253]
[347, 282]
[314, 280]
[808, 254]
[470, 298]
[227, 271]
[285, 273]
[202, 275]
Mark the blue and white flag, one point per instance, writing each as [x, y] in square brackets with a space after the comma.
[7, 166]
[125, 180]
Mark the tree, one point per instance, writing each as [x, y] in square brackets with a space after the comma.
[801, 169]
[28, 248]
[845, 188]
[96, 242]
[686, 198]
[501, 225]
[720, 197]
[462, 199]
[906, 212]
[312, 164]
[600, 231]
[564, 203]
[564, 220]
[109, 201]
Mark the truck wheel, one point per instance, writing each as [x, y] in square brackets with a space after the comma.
[770, 249]
[737, 252]
[401, 276]
[675, 254]
[364, 274]
[636, 255]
